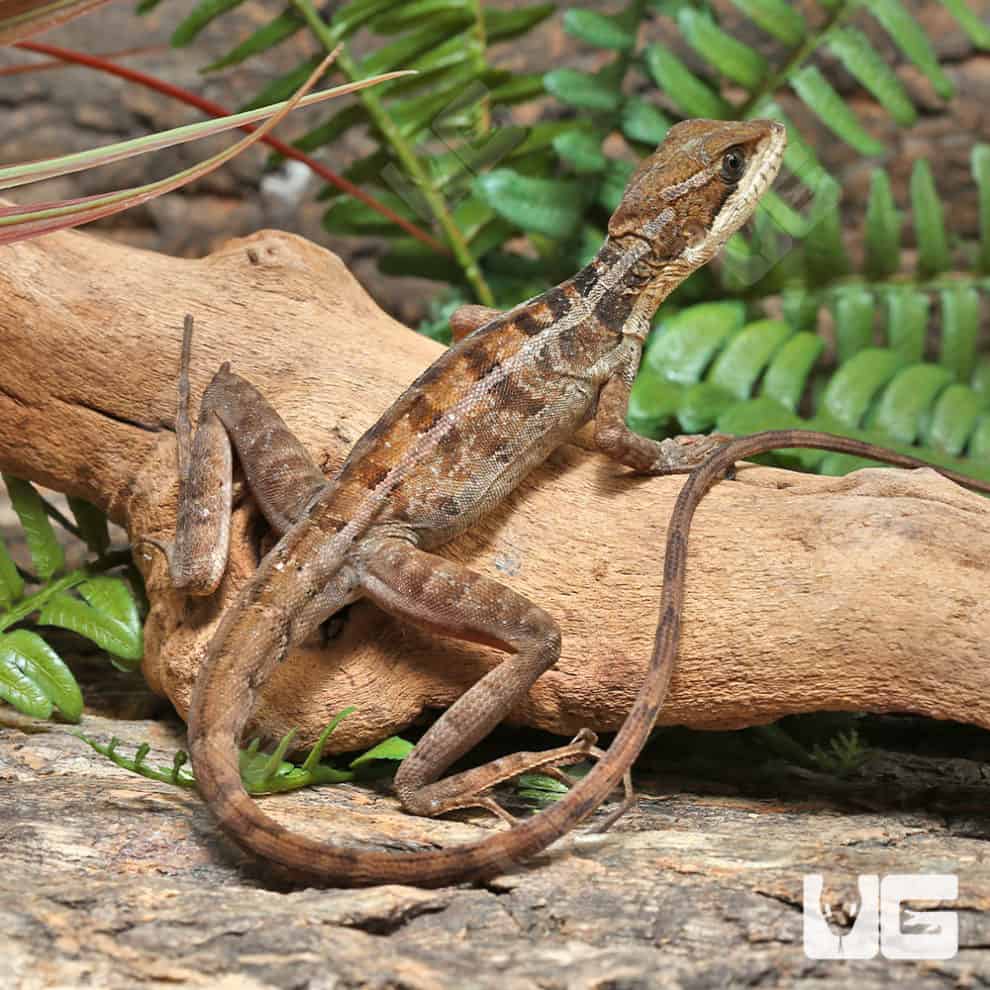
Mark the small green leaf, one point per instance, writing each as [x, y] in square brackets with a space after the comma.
[351, 216]
[929, 222]
[883, 228]
[853, 387]
[980, 162]
[853, 310]
[24, 694]
[960, 329]
[732, 58]
[953, 419]
[907, 399]
[597, 29]
[781, 215]
[908, 35]
[742, 362]
[31, 655]
[316, 753]
[265, 38]
[201, 15]
[907, 322]
[800, 308]
[115, 636]
[865, 64]
[46, 552]
[755, 415]
[701, 405]
[544, 206]
[818, 94]
[392, 748]
[780, 19]
[824, 252]
[641, 121]
[526, 86]
[354, 15]
[503, 25]
[786, 377]
[283, 86]
[582, 151]
[692, 97]
[11, 582]
[331, 129]
[978, 31]
[411, 13]
[578, 89]
[684, 345]
[653, 402]
[92, 524]
[112, 596]
[400, 53]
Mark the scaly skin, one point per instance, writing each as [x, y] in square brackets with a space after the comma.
[451, 448]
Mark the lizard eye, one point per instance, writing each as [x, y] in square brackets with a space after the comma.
[733, 165]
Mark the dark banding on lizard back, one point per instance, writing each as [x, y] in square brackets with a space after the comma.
[528, 323]
[559, 302]
[613, 310]
[589, 276]
[480, 361]
[422, 414]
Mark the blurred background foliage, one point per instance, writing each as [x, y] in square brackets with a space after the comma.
[806, 320]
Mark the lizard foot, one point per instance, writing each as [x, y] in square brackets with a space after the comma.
[472, 788]
[681, 454]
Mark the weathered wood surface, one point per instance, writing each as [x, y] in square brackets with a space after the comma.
[861, 593]
[114, 881]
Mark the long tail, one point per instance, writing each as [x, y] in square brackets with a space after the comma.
[225, 693]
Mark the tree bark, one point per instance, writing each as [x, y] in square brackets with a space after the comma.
[860, 593]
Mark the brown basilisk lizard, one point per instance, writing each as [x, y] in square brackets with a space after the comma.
[449, 449]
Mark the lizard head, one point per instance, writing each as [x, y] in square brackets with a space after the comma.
[697, 189]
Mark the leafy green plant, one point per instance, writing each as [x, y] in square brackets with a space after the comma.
[432, 130]
[556, 183]
[711, 366]
[266, 773]
[844, 755]
[733, 80]
[86, 600]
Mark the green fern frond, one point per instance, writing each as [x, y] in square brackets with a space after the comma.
[33, 677]
[264, 773]
[707, 368]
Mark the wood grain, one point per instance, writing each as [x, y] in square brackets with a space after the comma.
[860, 593]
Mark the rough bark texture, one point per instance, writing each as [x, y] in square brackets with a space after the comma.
[864, 593]
[114, 881]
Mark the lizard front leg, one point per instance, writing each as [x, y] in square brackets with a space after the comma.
[443, 596]
[676, 455]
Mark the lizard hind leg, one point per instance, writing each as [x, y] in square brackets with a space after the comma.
[443, 596]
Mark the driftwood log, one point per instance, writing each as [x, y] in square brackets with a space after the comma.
[860, 593]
